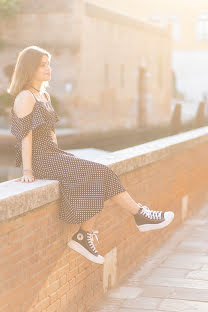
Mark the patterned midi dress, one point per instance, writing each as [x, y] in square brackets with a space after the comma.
[84, 185]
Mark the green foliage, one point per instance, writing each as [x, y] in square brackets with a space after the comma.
[8, 70]
[2, 44]
[5, 103]
[9, 7]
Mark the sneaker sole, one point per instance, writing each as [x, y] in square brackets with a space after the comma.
[149, 227]
[80, 249]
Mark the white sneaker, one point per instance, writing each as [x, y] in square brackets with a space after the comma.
[147, 220]
[82, 242]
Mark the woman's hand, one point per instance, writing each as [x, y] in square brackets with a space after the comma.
[26, 178]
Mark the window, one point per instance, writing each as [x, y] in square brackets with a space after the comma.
[155, 19]
[122, 81]
[202, 27]
[173, 20]
[106, 75]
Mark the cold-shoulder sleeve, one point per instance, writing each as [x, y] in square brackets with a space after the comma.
[20, 127]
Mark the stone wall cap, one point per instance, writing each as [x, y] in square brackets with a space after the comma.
[17, 197]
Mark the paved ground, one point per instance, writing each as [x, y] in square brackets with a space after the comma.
[175, 279]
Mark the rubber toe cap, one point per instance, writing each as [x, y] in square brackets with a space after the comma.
[169, 215]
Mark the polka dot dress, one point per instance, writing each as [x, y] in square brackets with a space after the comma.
[84, 185]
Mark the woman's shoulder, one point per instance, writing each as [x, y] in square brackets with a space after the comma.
[24, 103]
[25, 93]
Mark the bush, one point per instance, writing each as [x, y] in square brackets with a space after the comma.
[5, 103]
[8, 70]
[9, 7]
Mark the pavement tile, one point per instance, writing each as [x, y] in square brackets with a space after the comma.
[198, 236]
[185, 261]
[189, 294]
[157, 291]
[105, 309]
[142, 302]
[177, 282]
[125, 292]
[138, 310]
[193, 246]
[170, 272]
[175, 279]
[183, 306]
[198, 275]
[107, 304]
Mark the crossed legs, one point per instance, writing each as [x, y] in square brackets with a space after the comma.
[124, 200]
[145, 218]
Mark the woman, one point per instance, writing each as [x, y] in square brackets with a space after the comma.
[84, 185]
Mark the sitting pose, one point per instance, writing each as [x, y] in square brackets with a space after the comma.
[84, 185]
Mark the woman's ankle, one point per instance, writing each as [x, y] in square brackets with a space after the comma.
[86, 229]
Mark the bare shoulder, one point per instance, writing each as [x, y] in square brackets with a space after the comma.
[24, 103]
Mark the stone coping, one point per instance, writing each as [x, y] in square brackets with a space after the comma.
[17, 198]
[131, 158]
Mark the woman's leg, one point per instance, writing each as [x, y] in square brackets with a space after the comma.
[145, 219]
[89, 224]
[126, 201]
[123, 199]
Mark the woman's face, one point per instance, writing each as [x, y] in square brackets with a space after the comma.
[43, 72]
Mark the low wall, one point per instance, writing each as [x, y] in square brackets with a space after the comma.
[38, 272]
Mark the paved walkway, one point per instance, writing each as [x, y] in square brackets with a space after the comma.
[175, 279]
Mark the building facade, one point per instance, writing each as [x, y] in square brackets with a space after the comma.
[189, 20]
[109, 70]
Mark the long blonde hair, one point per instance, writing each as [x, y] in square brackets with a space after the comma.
[28, 61]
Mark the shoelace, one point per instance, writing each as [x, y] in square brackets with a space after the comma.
[90, 239]
[151, 214]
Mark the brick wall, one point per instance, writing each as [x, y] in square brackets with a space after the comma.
[38, 272]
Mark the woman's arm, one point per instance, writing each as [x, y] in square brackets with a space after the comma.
[27, 153]
[23, 106]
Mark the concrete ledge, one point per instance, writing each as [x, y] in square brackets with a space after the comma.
[128, 159]
[17, 198]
